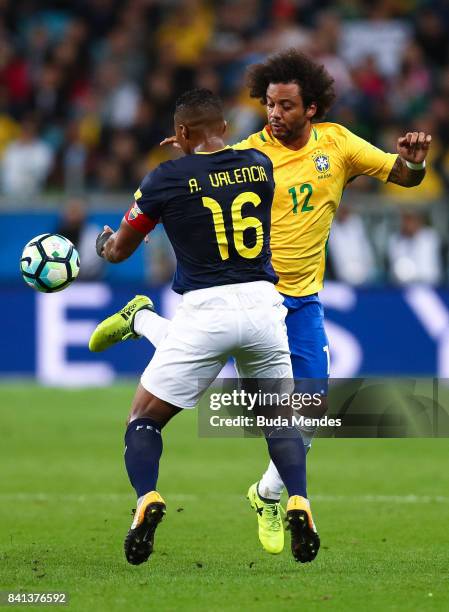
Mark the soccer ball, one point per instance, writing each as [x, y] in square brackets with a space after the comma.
[49, 263]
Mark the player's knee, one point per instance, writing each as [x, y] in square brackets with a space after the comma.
[146, 407]
[138, 410]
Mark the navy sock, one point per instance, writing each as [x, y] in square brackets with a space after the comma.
[289, 456]
[143, 449]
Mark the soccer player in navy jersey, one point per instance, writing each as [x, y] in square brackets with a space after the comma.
[215, 205]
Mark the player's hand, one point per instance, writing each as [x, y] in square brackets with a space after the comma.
[413, 146]
[170, 140]
[102, 238]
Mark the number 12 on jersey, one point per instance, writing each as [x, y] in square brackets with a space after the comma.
[239, 225]
[305, 188]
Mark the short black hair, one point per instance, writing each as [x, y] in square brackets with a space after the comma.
[292, 66]
[199, 103]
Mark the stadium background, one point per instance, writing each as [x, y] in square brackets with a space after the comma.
[86, 95]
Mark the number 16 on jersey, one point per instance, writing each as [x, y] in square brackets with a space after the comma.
[239, 225]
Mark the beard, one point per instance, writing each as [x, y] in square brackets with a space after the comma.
[288, 134]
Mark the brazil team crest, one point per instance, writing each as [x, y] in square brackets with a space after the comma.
[322, 163]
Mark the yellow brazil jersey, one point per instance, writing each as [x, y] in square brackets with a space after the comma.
[309, 186]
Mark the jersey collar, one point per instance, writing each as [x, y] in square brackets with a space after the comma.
[266, 136]
[212, 152]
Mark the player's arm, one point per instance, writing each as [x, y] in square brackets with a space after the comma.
[118, 246]
[409, 168]
[139, 220]
[405, 167]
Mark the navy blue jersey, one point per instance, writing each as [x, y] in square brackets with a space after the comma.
[216, 210]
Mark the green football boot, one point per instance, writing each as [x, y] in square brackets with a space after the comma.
[119, 326]
[271, 529]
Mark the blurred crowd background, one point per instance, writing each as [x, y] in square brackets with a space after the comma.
[87, 90]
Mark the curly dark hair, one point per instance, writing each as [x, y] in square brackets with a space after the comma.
[292, 66]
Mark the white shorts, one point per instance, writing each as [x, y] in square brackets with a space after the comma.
[245, 321]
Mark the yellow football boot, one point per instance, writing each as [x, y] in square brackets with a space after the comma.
[140, 539]
[119, 326]
[271, 529]
[305, 539]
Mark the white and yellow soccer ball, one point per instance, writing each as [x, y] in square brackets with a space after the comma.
[49, 263]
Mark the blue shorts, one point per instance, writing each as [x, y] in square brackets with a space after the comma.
[308, 342]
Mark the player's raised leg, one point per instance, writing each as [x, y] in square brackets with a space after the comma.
[125, 324]
[143, 450]
[151, 325]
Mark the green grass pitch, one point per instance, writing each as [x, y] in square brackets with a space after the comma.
[381, 506]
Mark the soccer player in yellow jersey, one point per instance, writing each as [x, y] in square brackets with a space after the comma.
[313, 161]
